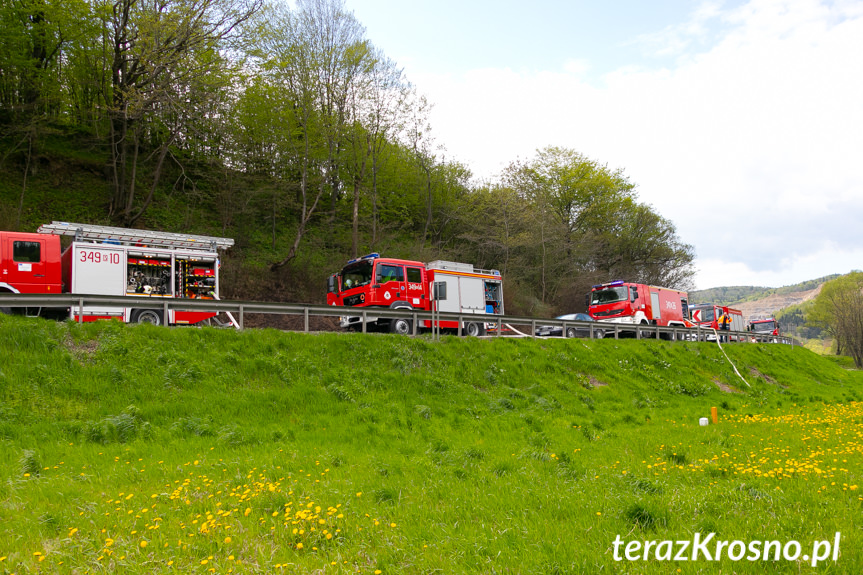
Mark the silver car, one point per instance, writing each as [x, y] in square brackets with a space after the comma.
[571, 330]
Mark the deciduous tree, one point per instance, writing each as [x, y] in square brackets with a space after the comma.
[839, 310]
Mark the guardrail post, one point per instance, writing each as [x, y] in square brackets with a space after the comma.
[165, 311]
[80, 310]
[533, 328]
[617, 331]
[414, 325]
[499, 326]
[306, 319]
[241, 316]
[365, 315]
[459, 326]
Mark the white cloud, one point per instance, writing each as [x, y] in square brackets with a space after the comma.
[751, 147]
[825, 261]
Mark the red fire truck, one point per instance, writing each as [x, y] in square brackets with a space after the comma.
[706, 315]
[638, 304]
[103, 260]
[375, 282]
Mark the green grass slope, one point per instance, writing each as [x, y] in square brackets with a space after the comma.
[137, 449]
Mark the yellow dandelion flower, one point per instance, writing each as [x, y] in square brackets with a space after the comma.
[227, 539]
[299, 545]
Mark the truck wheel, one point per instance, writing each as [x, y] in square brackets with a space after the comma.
[400, 326]
[473, 329]
[6, 310]
[598, 334]
[570, 332]
[147, 316]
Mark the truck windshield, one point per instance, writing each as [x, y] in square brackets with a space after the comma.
[609, 295]
[766, 326]
[357, 274]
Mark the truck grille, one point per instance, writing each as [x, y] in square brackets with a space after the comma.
[606, 313]
[355, 299]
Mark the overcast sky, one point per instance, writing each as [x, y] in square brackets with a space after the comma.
[741, 121]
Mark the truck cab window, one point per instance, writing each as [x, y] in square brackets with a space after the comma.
[415, 275]
[388, 273]
[27, 252]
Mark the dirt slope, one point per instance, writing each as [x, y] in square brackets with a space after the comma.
[769, 305]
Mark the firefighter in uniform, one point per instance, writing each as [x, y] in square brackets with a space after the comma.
[724, 322]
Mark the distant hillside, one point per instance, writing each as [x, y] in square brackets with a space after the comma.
[736, 295]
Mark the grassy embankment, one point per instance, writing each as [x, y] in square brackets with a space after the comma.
[153, 450]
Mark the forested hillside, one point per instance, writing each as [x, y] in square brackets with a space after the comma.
[290, 131]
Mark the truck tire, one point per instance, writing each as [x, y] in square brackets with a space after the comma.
[599, 334]
[151, 316]
[6, 310]
[400, 326]
[570, 332]
[473, 329]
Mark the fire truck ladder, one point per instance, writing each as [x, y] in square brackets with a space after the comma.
[135, 237]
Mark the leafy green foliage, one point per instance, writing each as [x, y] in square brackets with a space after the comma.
[839, 310]
[283, 127]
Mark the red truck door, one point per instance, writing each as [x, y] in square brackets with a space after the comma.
[416, 286]
[391, 279]
[24, 264]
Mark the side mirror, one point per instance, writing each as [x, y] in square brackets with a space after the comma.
[331, 284]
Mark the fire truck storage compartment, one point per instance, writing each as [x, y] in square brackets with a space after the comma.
[493, 297]
[97, 268]
[654, 305]
[196, 277]
[465, 294]
[148, 273]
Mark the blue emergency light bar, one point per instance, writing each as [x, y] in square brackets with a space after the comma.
[615, 283]
[370, 256]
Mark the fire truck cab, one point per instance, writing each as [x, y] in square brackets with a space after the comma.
[638, 304]
[376, 282]
[768, 326]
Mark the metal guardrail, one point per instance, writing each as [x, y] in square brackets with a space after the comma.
[71, 302]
